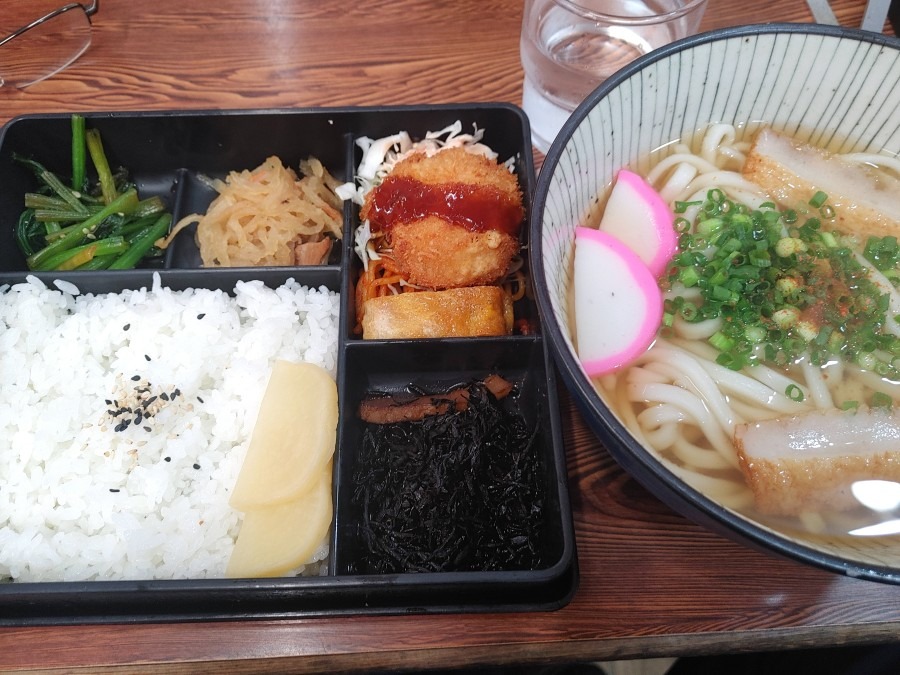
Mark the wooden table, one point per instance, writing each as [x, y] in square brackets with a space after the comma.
[652, 583]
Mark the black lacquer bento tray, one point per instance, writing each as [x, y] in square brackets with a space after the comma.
[167, 153]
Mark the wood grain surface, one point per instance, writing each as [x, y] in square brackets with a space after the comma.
[652, 583]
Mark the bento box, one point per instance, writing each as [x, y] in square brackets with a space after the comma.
[93, 533]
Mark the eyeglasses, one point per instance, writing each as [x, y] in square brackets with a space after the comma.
[47, 45]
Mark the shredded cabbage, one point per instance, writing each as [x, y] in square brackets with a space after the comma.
[363, 244]
[381, 154]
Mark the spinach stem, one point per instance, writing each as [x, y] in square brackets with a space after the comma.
[98, 157]
[49, 179]
[125, 203]
[142, 243]
[78, 159]
[79, 255]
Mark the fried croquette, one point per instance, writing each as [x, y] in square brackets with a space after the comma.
[456, 165]
[451, 219]
[436, 254]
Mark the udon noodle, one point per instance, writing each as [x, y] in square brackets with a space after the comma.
[677, 400]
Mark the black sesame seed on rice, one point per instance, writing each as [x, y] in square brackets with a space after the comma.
[135, 378]
[196, 466]
[126, 326]
[114, 489]
[200, 399]
[200, 316]
[168, 459]
[147, 356]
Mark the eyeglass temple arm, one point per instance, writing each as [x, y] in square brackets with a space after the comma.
[89, 10]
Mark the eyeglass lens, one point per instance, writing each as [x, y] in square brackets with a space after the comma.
[45, 49]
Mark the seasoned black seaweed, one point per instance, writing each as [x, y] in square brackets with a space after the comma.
[458, 491]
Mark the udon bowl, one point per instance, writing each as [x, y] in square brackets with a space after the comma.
[829, 86]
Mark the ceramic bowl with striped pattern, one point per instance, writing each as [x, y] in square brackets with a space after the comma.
[833, 87]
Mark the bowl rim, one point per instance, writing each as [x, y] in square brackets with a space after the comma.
[627, 452]
[579, 8]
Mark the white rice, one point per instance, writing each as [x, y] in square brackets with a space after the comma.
[80, 500]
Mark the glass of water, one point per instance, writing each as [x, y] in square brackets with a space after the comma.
[569, 47]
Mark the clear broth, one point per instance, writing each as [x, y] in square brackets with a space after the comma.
[830, 530]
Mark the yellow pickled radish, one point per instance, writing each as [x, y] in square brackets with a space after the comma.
[293, 438]
[277, 539]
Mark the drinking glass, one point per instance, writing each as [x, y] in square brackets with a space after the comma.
[569, 47]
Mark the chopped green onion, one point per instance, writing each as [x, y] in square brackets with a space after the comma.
[801, 295]
[716, 196]
[755, 334]
[760, 258]
[866, 360]
[818, 199]
[682, 225]
[681, 207]
[721, 341]
[882, 400]
[828, 239]
[795, 393]
[688, 312]
[689, 276]
[709, 227]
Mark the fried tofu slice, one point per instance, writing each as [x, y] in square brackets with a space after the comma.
[810, 462]
[866, 202]
[457, 312]
[434, 249]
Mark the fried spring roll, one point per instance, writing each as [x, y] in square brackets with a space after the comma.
[457, 312]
